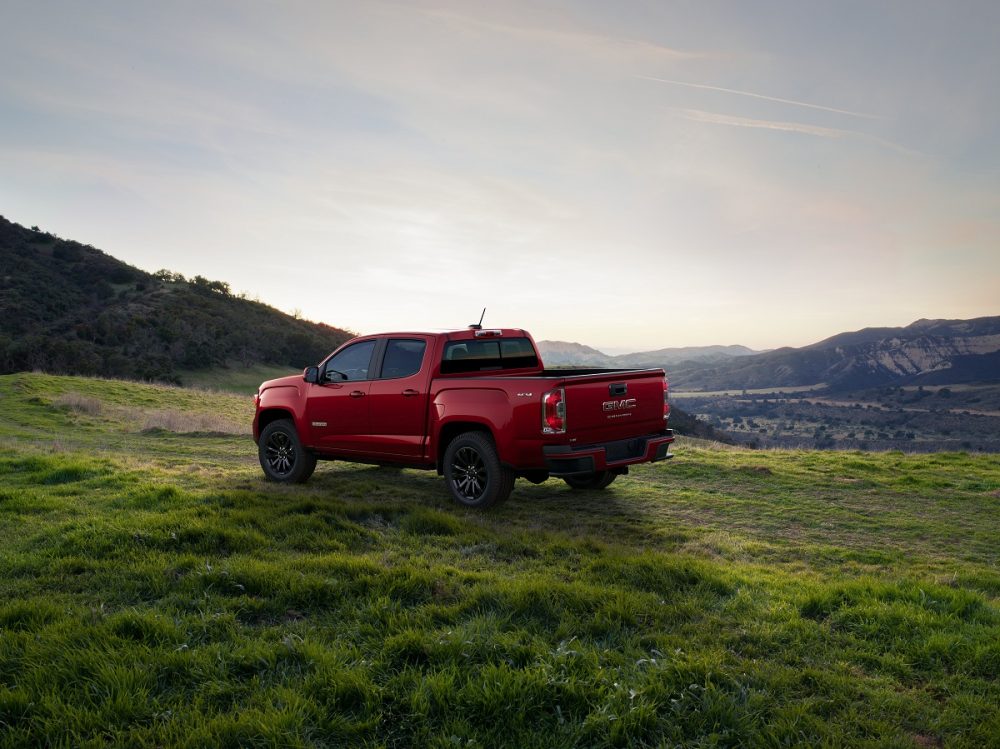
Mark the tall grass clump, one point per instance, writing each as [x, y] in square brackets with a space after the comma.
[181, 422]
[79, 403]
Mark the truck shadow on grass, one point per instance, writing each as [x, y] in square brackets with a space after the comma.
[370, 494]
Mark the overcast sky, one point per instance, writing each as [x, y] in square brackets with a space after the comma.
[628, 175]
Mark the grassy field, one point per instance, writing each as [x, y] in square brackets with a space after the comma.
[157, 592]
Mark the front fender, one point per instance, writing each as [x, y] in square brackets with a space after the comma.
[287, 399]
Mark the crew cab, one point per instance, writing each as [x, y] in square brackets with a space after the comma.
[475, 405]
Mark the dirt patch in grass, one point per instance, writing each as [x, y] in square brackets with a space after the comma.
[757, 470]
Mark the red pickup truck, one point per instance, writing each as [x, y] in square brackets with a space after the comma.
[476, 405]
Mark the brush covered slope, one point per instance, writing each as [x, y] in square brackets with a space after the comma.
[70, 308]
[157, 592]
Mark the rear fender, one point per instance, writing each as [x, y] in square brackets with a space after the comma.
[485, 409]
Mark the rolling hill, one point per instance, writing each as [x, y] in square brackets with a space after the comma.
[70, 308]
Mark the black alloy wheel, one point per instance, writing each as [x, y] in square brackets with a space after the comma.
[474, 473]
[281, 454]
[469, 473]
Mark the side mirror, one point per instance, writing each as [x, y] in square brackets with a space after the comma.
[311, 374]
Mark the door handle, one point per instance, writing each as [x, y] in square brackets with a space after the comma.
[357, 394]
[410, 392]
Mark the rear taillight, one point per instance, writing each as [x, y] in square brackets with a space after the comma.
[554, 412]
[666, 396]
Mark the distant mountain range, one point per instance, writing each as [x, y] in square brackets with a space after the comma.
[927, 352]
[67, 307]
[561, 353]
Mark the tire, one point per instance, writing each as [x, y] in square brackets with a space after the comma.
[596, 480]
[281, 454]
[473, 471]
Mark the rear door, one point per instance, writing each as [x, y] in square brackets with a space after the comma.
[613, 406]
[398, 398]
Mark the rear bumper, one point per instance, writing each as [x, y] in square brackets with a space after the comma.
[568, 460]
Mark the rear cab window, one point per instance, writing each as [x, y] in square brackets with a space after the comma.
[487, 355]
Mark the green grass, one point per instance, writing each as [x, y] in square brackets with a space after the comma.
[157, 592]
[235, 379]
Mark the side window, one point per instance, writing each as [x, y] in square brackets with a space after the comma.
[403, 357]
[350, 364]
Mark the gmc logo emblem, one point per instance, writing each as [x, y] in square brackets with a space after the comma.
[619, 405]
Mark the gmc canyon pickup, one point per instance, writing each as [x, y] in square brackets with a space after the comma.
[476, 405]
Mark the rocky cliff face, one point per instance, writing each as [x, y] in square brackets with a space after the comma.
[931, 351]
[904, 358]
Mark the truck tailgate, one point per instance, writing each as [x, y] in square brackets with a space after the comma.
[614, 405]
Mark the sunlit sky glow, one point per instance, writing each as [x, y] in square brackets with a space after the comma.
[627, 175]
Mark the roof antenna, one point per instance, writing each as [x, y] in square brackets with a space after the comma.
[478, 325]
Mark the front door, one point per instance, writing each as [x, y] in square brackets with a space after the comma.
[338, 406]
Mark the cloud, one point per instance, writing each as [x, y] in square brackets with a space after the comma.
[761, 96]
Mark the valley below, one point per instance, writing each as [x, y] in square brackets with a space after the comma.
[912, 419]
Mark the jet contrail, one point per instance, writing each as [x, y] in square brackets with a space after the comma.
[760, 96]
[793, 127]
[713, 118]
